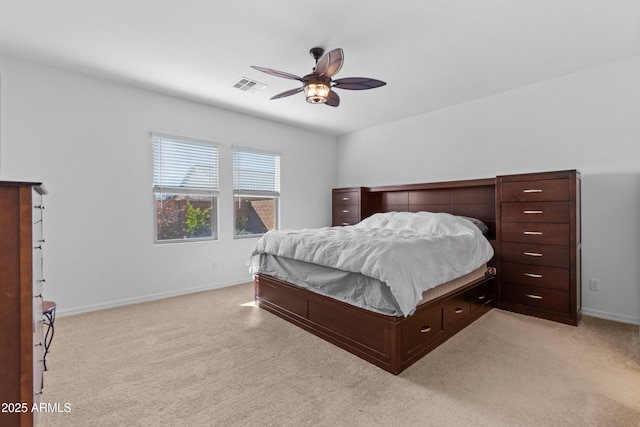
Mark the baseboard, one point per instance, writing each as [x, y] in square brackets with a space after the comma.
[610, 316]
[146, 298]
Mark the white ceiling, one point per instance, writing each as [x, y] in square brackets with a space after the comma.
[432, 53]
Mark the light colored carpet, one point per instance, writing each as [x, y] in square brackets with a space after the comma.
[211, 359]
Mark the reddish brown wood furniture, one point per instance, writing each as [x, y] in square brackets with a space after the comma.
[538, 235]
[534, 228]
[21, 280]
[392, 343]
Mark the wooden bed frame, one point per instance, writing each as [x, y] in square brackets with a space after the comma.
[394, 343]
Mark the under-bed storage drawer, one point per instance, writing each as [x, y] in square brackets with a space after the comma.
[421, 329]
[481, 295]
[456, 309]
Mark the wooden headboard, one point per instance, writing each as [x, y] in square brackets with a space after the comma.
[475, 198]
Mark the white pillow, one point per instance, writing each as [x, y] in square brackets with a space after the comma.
[378, 220]
[433, 223]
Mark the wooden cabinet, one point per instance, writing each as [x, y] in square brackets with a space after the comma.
[347, 206]
[538, 239]
[21, 281]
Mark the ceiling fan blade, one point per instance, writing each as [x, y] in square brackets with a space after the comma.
[277, 73]
[357, 83]
[333, 100]
[330, 63]
[287, 93]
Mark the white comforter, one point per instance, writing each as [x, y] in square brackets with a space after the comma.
[410, 252]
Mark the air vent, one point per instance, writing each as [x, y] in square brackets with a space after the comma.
[248, 85]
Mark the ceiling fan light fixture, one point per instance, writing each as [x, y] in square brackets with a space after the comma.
[318, 86]
[317, 92]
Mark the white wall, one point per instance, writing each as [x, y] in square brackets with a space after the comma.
[587, 121]
[88, 141]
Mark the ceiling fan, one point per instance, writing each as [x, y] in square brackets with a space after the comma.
[318, 85]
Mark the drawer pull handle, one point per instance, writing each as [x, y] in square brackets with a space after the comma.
[532, 254]
[532, 212]
[39, 344]
[532, 190]
[533, 233]
[458, 310]
[425, 329]
[345, 210]
[535, 276]
[37, 296]
[345, 223]
[532, 296]
[345, 199]
[482, 297]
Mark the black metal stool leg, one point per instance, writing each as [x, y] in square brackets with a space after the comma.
[49, 320]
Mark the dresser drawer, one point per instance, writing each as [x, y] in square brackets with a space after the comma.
[346, 198]
[345, 220]
[421, 329]
[342, 222]
[345, 211]
[529, 253]
[536, 212]
[456, 309]
[536, 190]
[536, 275]
[536, 298]
[536, 232]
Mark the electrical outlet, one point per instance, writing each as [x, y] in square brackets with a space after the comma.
[594, 284]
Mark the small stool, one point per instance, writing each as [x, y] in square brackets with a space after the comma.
[49, 317]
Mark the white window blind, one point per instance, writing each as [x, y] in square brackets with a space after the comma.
[256, 172]
[181, 166]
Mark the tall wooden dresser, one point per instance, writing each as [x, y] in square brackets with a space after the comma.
[538, 238]
[21, 281]
[347, 206]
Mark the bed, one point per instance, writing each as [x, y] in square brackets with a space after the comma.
[390, 309]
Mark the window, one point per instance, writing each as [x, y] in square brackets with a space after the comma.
[185, 188]
[256, 191]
